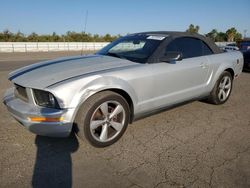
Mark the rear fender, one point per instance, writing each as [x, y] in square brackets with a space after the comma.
[216, 76]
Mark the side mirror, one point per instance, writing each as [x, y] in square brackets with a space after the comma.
[171, 56]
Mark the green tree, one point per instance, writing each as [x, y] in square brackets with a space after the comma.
[19, 37]
[70, 36]
[217, 36]
[221, 37]
[33, 37]
[212, 34]
[233, 35]
[193, 29]
[55, 37]
[7, 36]
[96, 38]
[107, 38]
[238, 36]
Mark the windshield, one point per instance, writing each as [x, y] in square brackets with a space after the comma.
[137, 48]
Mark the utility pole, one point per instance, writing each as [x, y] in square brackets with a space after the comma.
[86, 20]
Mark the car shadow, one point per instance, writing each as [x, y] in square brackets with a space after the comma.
[53, 165]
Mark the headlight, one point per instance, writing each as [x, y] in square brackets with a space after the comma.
[45, 99]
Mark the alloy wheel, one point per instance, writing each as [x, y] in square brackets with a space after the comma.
[107, 121]
[224, 88]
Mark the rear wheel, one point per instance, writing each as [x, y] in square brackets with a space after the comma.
[222, 89]
[103, 119]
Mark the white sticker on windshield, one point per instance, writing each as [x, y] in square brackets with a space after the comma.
[156, 37]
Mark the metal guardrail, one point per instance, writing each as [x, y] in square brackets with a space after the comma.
[50, 46]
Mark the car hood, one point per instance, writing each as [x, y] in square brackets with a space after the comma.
[43, 74]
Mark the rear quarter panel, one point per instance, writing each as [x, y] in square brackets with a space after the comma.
[221, 62]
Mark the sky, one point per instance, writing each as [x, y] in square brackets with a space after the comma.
[124, 16]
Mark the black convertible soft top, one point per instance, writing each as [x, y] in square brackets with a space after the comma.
[177, 34]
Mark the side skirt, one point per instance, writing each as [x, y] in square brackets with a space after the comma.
[159, 110]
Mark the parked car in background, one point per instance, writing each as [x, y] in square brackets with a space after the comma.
[244, 45]
[245, 49]
[135, 76]
[230, 47]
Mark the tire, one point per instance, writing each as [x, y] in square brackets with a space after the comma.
[222, 89]
[102, 119]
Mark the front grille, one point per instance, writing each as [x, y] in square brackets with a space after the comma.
[20, 92]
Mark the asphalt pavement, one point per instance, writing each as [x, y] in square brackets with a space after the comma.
[194, 145]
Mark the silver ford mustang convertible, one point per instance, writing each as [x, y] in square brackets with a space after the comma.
[98, 95]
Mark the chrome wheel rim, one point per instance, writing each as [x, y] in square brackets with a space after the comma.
[107, 121]
[224, 88]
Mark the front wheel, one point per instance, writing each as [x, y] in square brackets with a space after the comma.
[102, 119]
[222, 89]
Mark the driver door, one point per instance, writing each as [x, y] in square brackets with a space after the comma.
[182, 80]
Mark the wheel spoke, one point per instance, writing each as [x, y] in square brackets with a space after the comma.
[96, 123]
[223, 95]
[224, 81]
[228, 86]
[104, 133]
[117, 126]
[220, 94]
[221, 85]
[116, 111]
[104, 109]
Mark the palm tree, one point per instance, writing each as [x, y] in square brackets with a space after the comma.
[231, 33]
[193, 29]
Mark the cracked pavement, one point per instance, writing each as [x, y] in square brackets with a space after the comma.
[194, 145]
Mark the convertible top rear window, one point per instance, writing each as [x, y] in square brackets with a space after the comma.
[137, 48]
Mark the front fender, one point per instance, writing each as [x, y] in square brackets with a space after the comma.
[100, 84]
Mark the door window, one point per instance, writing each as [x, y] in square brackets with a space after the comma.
[189, 47]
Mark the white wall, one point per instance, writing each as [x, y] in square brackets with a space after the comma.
[50, 46]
